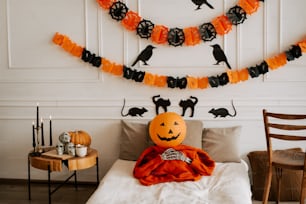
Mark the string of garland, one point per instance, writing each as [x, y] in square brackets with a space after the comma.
[192, 82]
[190, 36]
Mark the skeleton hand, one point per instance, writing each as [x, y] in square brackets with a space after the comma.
[172, 154]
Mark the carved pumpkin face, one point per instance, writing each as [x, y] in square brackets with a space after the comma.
[167, 129]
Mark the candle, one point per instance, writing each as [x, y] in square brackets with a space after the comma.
[33, 131]
[37, 115]
[50, 131]
[42, 132]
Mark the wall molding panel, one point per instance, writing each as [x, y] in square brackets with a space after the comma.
[51, 65]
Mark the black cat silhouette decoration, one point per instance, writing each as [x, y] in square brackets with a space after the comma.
[188, 104]
[133, 111]
[160, 103]
[223, 112]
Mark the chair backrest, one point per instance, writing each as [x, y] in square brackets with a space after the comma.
[290, 127]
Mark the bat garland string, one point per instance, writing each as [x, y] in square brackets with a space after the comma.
[191, 82]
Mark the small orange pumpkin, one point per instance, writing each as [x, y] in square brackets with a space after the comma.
[80, 137]
[167, 129]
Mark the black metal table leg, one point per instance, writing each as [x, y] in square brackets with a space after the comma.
[49, 184]
[29, 177]
[97, 169]
[75, 180]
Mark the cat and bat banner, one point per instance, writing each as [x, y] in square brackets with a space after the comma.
[187, 104]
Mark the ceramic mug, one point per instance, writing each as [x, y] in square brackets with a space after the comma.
[81, 150]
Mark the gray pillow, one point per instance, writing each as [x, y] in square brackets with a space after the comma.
[194, 133]
[133, 140]
[222, 143]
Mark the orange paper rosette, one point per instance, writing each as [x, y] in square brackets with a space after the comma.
[77, 50]
[106, 4]
[160, 81]
[233, 76]
[192, 36]
[149, 79]
[58, 39]
[117, 70]
[203, 82]
[67, 44]
[107, 65]
[243, 74]
[192, 82]
[159, 34]
[131, 20]
[249, 6]
[222, 25]
[277, 61]
[302, 45]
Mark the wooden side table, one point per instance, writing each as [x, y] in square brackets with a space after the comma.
[50, 162]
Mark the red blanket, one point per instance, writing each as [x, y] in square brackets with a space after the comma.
[151, 169]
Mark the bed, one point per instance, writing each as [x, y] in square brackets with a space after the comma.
[229, 183]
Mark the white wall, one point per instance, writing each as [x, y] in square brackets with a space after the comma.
[78, 96]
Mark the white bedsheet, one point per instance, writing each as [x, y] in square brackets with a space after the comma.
[229, 184]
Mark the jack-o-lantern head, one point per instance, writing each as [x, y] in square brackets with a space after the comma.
[167, 129]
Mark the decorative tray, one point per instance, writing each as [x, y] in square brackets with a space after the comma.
[54, 154]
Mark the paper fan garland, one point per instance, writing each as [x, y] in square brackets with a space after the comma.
[190, 36]
[191, 82]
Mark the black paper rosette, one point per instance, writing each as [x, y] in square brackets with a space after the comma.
[207, 32]
[145, 28]
[236, 15]
[176, 37]
[118, 11]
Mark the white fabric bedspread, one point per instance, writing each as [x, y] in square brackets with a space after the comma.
[229, 184]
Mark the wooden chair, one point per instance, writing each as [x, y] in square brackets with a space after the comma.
[283, 127]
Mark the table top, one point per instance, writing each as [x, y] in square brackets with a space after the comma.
[55, 162]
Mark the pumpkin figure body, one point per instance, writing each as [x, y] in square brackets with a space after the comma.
[167, 129]
[80, 137]
[169, 160]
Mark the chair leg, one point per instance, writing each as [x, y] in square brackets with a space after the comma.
[267, 185]
[279, 172]
[303, 189]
